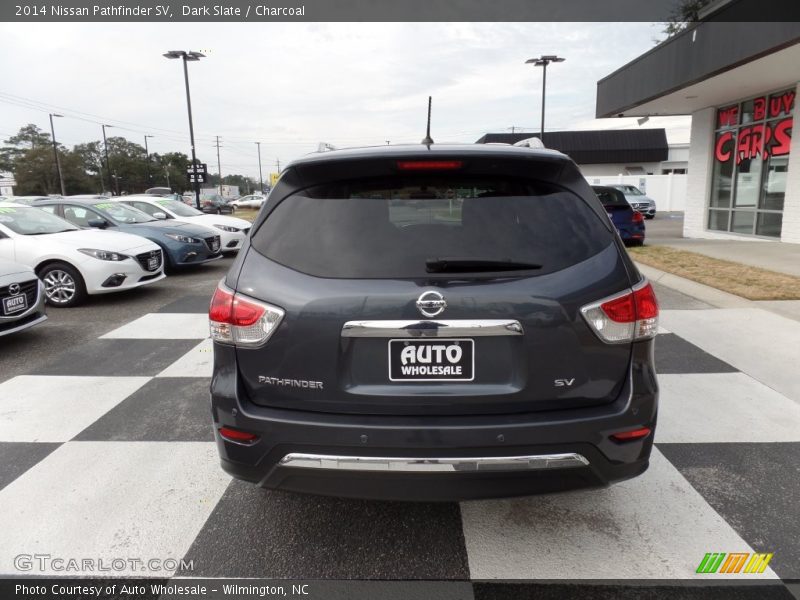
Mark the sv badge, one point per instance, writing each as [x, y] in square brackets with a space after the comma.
[564, 382]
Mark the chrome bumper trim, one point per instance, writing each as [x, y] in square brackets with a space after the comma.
[431, 465]
[418, 329]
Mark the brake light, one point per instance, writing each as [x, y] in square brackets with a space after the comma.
[241, 321]
[428, 165]
[638, 217]
[626, 317]
[234, 435]
[634, 434]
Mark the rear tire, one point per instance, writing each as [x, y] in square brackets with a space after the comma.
[63, 285]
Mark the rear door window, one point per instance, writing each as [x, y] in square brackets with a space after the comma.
[393, 228]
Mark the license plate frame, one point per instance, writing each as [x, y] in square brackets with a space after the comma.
[466, 360]
[23, 305]
[152, 263]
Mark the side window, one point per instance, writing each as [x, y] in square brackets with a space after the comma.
[52, 209]
[147, 208]
[79, 215]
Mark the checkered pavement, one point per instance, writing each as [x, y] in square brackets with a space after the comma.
[108, 452]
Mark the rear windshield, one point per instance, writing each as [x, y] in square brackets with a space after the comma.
[611, 197]
[394, 228]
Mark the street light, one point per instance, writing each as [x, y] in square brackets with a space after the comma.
[147, 157]
[543, 61]
[55, 151]
[108, 169]
[187, 56]
[260, 176]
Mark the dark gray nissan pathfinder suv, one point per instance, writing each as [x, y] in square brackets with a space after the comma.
[433, 323]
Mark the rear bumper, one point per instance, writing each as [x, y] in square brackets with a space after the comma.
[384, 444]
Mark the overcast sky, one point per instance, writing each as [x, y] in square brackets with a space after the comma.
[292, 86]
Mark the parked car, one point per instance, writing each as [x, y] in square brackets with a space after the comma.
[251, 201]
[183, 244]
[215, 205]
[368, 346]
[21, 298]
[638, 200]
[232, 230]
[73, 263]
[629, 222]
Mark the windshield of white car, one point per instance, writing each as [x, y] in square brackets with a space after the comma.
[32, 221]
[179, 208]
[122, 213]
[630, 190]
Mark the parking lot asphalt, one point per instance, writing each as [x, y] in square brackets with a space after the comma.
[106, 450]
[71, 327]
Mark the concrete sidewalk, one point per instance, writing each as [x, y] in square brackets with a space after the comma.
[667, 230]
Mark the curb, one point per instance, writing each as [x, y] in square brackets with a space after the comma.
[699, 291]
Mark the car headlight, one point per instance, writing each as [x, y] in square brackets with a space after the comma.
[227, 228]
[185, 239]
[103, 254]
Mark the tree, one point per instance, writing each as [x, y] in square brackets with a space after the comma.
[169, 170]
[684, 13]
[28, 137]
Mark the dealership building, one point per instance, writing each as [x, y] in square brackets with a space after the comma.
[739, 82]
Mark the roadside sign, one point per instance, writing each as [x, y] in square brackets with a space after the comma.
[201, 168]
[200, 178]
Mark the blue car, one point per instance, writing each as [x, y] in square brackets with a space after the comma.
[183, 244]
[629, 222]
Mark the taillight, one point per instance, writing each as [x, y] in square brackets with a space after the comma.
[239, 320]
[428, 165]
[626, 317]
[638, 217]
[633, 434]
[234, 435]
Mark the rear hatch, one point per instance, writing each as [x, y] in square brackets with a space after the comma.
[433, 290]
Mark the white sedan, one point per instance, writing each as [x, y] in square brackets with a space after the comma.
[73, 262]
[252, 201]
[232, 230]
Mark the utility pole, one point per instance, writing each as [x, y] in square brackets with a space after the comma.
[278, 164]
[147, 159]
[543, 61]
[55, 151]
[260, 175]
[189, 56]
[108, 169]
[219, 167]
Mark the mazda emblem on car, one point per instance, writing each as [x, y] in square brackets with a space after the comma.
[14, 289]
[431, 304]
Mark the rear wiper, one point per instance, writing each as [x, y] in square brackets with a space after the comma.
[471, 265]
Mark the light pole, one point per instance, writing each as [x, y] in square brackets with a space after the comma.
[55, 151]
[147, 158]
[543, 61]
[108, 169]
[260, 175]
[187, 56]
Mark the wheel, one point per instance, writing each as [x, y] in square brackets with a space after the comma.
[63, 285]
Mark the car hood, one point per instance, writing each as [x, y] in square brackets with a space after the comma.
[211, 220]
[115, 241]
[8, 267]
[164, 227]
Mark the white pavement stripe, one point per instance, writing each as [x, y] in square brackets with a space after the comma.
[662, 329]
[42, 408]
[762, 344]
[723, 407]
[656, 526]
[198, 362]
[107, 500]
[163, 326]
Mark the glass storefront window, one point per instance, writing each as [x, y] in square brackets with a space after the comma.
[751, 160]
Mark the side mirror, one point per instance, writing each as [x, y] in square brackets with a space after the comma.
[98, 223]
[160, 215]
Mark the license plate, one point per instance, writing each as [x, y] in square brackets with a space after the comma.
[432, 360]
[152, 264]
[14, 304]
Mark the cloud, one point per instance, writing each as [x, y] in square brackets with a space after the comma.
[291, 86]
